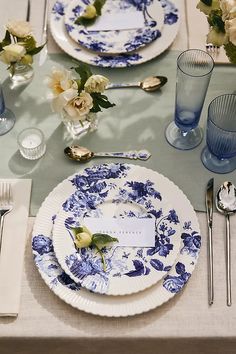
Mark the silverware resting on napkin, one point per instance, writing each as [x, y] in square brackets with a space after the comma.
[44, 51]
[209, 209]
[6, 205]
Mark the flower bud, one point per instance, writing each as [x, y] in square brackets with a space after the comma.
[90, 12]
[83, 239]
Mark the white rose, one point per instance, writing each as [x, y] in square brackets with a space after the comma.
[217, 38]
[61, 101]
[230, 28]
[228, 8]
[19, 29]
[79, 106]
[96, 83]
[61, 80]
[83, 239]
[12, 53]
[207, 9]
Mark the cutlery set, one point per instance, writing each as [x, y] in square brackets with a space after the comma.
[6, 205]
[225, 202]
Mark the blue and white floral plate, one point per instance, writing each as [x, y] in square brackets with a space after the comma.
[122, 192]
[115, 306]
[144, 54]
[116, 41]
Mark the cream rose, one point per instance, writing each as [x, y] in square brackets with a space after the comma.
[228, 8]
[83, 239]
[61, 80]
[96, 83]
[230, 28]
[90, 12]
[61, 101]
[19, 29]
[12, 53]
[79, 106]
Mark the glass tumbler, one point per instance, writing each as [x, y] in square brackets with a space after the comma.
[31, 143]
[219, 155]
[194, 69]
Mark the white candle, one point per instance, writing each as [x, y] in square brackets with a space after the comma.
[31, 141]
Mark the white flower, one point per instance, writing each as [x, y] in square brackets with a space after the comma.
[90, 12]
[79, 106]
[230, 28]
[19, 29]
[84, 238]
[12, 53]
[61, 80]
[96, 83]
[207, 9]
[61, 101]
[217, 38]
[228, 8]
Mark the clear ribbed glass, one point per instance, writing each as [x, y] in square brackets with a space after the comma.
[194, 69]
[220, 153]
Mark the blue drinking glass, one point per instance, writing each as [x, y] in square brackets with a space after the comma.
[194, 69]
[219, 155]
[7, 117]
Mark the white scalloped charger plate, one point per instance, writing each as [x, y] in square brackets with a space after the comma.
[68, 45]
[115, 41]
[127, 194]
[116, 306]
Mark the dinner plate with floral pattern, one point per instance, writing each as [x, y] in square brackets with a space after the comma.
[142, 55]
[116, 306]
[125, 192]
[116, 41]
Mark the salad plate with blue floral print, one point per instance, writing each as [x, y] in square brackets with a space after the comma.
[137, 56]
[116, 41]
[126, 192]
[116, 306]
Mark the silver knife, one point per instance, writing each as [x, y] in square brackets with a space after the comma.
[209, 209]
[44, 51]
[28, 11]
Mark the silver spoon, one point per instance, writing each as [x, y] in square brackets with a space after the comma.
[226, 204]
[82, 154]
[151, 83]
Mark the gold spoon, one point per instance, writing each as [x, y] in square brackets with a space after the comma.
[82, 154]
[151, 83]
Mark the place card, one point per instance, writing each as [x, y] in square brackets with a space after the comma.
[129, 19]
[131, 232]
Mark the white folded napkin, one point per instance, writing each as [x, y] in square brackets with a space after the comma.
[13, 246]
[197, 31]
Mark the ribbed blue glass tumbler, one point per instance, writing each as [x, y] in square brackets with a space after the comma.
[7, 117]
[194, 69]
[219, 155]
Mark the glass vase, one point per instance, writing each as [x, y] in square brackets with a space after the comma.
[21, 73]
[7, 117]
[78, 128]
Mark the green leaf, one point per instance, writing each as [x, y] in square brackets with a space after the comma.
[100, 100]
[29, 43]
[36, 50]
[84, 72]
[101, 240]
[6, 40]
[98, 4]
[77, 230]
[207, 2]
[215, 20]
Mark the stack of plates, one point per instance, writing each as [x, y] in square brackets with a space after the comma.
[118, 47]
[137, 279]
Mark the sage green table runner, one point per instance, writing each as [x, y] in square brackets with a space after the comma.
[137, 121]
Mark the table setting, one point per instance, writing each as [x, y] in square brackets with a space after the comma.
[117, 194]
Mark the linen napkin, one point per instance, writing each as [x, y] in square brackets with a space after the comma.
[197, 27]
[13, 246]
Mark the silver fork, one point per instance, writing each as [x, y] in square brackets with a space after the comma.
[6, 205]
[213, 50]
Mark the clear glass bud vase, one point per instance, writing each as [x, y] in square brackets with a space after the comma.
[21, 73]
[78, 128]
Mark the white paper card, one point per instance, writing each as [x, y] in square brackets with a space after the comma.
[118, 21]
[131, 232]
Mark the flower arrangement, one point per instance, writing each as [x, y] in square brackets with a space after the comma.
[221, 16]
[18, 45]
[78, 96]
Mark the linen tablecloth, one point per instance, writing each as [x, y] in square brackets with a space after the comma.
[186, 324]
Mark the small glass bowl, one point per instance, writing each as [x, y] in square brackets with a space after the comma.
[31, 143]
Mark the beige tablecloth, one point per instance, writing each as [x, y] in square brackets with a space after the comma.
[184, 325]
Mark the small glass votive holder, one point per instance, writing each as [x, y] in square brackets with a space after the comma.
[31, 143]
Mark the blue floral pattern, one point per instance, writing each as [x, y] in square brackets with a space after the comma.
[115, 41]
